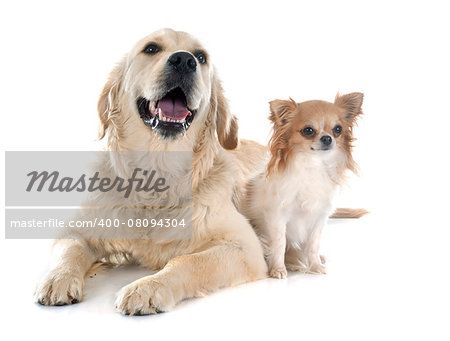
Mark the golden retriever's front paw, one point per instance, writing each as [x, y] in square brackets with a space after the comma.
[59, 288]
[278, 272]
[144, 297]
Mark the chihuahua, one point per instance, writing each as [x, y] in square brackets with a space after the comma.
[289, 202]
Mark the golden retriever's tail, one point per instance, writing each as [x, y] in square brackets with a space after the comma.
[349, 213]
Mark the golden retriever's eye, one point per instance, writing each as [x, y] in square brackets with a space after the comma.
[308, 132]
[151, 49]
[201, 57]
[337, 130]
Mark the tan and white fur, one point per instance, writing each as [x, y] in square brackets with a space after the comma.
[289, 201]
[224, 250]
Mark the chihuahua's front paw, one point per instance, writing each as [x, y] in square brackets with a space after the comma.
[59, 288]
[317, 269]
[278, 272]
[144, 297]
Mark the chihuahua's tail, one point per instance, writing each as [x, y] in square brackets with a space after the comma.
[349, 213]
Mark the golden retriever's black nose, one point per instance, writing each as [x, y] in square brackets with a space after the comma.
[182, 62]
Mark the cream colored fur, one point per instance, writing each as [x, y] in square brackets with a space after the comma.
[289, 211]
[224, 250]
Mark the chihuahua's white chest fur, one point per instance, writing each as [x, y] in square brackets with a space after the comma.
[289, 209]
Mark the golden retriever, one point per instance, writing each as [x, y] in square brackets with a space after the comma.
[164, 95]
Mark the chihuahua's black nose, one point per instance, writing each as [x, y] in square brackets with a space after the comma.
[326, 140]
[182, 62]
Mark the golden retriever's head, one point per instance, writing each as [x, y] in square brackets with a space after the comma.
[164, 94]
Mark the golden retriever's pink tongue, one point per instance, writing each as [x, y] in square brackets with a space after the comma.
[173, 107]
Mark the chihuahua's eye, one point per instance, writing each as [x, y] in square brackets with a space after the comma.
[201, 57]
[337, 131]
[151, 49]
[308, 131]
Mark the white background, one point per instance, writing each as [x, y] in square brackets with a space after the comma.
[388, 273]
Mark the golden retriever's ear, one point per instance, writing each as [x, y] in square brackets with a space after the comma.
[226, 123]
[351, 103]
[280, 111]
[108, 103]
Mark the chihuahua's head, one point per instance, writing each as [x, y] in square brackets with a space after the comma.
[318, 127]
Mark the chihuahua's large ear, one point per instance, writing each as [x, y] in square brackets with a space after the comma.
[281, 114]
[108, 104]
[352, 104]
[226, 124]
[280, 110]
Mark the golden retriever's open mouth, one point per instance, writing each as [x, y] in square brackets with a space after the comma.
[169, 116]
